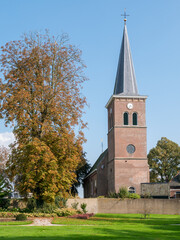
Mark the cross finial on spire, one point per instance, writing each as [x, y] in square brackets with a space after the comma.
[125, 15]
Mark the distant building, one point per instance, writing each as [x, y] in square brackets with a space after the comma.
[124, 163]
[162, 190]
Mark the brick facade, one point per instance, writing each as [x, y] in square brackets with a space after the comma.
[129, 169]
[124, 163]
[119, 168]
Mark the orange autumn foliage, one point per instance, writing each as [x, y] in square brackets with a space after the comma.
[40, 96]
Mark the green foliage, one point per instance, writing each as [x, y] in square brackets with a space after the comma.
[4, 203]
[82, 170]
[46, 208]
[5, 189]
[21, 217]
[145, 216]
[134, 196]
[31, 204]
[112, 195]
[5, 186]
[83, 207]
[123, 193]
[164, 160]
[75, 205]
[64, 212]
[60, 201]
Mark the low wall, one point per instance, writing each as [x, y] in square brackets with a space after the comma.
[92, 203]
[111, 205]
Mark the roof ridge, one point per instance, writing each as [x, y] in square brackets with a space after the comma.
[94, 167]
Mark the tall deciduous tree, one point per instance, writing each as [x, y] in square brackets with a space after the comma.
[164, 160]
[41, 97]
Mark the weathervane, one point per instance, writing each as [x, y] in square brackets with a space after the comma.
[125, 15]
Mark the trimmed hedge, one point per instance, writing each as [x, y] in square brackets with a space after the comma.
[21, 217]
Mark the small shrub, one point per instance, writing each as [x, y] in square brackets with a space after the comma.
[79, 211]
[145, 215]
[60, 202]
[101, 197]
[46, 208]
[75, 205]
[83, 207]
[64, 212]
[112, 195]
[123, 193]
[21, 217]
[134, 196]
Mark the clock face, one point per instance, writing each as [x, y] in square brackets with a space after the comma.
[130, 148]
[130, 106]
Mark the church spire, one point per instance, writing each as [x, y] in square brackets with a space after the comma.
[125, 78]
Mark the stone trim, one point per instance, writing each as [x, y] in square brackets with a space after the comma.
[129, 126]
[126, 126]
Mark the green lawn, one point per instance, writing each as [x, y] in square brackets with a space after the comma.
[102, 226]
[16, 223]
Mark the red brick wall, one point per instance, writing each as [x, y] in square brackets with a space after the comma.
[127, 169]
[102, 181]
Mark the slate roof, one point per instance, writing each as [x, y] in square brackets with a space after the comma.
[94, 167]
[125, 83]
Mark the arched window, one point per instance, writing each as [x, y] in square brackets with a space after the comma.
[126, 118]
[135, 122]
[131, 190]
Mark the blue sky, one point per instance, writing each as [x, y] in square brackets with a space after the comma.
[96, 27]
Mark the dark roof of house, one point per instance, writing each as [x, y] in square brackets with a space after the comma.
[100, 158]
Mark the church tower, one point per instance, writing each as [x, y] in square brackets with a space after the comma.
[127, 154]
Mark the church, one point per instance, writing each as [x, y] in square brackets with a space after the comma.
[124, 163]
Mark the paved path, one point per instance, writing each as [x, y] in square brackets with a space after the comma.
[42, 222]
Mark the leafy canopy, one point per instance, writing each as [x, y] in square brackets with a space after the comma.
[40, 96]
[164, 160]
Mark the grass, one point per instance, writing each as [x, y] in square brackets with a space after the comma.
[100, 227]
[119, 219]
[16, 223]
